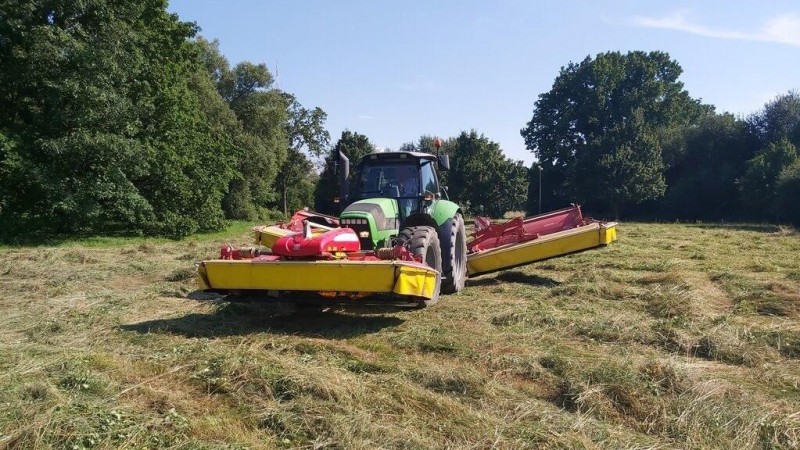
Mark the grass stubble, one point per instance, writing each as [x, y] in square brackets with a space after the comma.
[677, 336]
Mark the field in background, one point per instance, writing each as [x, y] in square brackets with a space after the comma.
[678, 336]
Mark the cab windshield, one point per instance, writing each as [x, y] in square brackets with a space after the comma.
[398, 181]
[389, 180]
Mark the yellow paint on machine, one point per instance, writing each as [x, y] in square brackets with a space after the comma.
[549, 246]
[384, 277]
[267, 235]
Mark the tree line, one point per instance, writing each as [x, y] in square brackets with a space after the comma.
[481, 178]
[119, 117]
[620, 134]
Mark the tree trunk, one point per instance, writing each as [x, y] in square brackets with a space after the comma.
[285, 206]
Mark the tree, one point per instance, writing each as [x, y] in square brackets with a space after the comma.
[759, 184]
[778, 120]
[261, 138]
[103, 121]
[769, 183]
[306, 131]
[788, 191]
[703, 164]
[355, 146]
[597, 132]
[482, 179]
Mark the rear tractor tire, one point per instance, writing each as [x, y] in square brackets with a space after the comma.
[424, 241]
[453, 236]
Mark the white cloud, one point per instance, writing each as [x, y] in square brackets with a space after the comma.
[784, 29]
[365, 116]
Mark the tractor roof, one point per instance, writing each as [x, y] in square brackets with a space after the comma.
[397, 156]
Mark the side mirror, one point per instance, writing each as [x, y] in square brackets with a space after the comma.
[444, 162]
[344, 174]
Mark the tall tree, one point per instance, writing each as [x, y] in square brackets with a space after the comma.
[759, 184]
[261, 139]
[770, 181]
[355, 146]
[306, 131]
[103, 120]
[778, 120]
[296, 182]
[482, 179]
[788, 192]
[597, 132]
[703, 164]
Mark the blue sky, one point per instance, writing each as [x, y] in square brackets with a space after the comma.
[394, 70]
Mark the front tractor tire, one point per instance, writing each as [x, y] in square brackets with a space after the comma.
[453, 236]
[424, 241]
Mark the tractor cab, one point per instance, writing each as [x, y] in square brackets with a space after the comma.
[407, 177]
[390, 191]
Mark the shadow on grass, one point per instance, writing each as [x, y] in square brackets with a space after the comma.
[236, 319]
[37, 238]
[514, 276]
[760, 228]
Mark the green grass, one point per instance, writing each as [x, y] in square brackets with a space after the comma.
[234, 228]
[677, 336]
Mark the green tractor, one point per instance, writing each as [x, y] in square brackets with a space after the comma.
[397, 198]
[397, 240]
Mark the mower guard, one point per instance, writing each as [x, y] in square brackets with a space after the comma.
[339, 278]
[561, 243]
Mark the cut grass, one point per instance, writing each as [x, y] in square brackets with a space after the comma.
[678, 336]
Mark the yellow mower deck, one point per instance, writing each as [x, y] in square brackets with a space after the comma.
[549, 246]
[407, 279]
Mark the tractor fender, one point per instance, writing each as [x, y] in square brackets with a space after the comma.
[420, 219]
[444, 210]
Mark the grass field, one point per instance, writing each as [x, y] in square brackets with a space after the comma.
[678, 336]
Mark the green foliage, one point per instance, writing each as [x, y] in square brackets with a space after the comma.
[779, 120]
[596, 132]
[296, 179]
[355, 146]
[103, 124]
[788, 193]
[272, 132]
[296, 182]
[759, 185]
[704, 162]
[306, 127]
[483, 178]
[259, 134]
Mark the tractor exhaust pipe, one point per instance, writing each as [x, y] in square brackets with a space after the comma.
[344, 175]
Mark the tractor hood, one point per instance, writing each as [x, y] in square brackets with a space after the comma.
[372, 219]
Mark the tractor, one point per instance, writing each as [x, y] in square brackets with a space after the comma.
[398, 239]
[397, 200]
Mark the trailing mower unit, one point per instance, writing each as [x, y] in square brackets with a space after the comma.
[399, 240]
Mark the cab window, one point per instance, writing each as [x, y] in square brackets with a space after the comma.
[429, 178]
